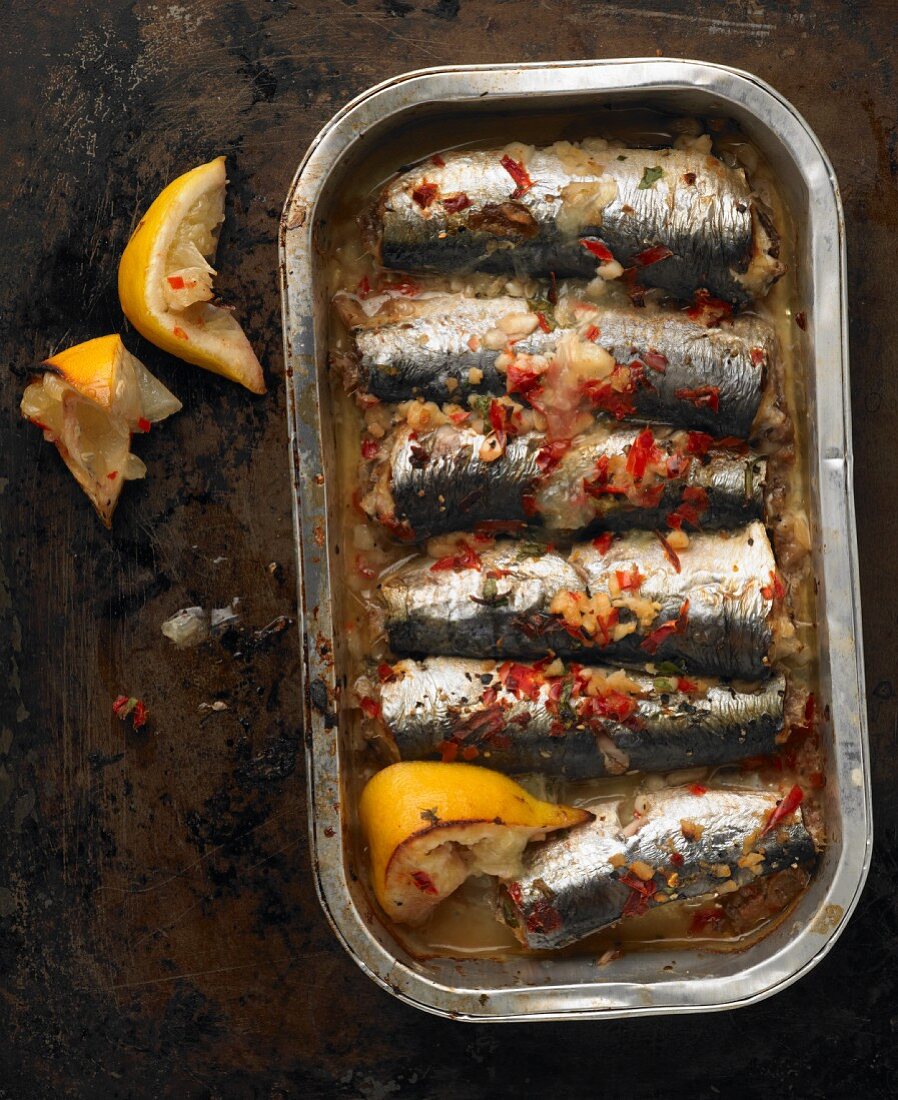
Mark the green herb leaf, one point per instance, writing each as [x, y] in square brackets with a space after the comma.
[664, 686]
[545, 307]
[649, 177]
[490, 596]
[528, 549]
[567, 714]
[480, 403]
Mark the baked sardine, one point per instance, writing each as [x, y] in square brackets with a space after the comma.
[574, 722]
[687, 842]
[664, 367]
[681, 220]
[609, 478]
[716, 605]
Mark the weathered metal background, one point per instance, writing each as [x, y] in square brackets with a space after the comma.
[159, 934]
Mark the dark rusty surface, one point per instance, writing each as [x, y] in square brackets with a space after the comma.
[159, 931]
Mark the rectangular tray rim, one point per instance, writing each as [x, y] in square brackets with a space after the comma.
[298, 339]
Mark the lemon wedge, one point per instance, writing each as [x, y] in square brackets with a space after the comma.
[89, 401]
[429, 826]
[165, 279]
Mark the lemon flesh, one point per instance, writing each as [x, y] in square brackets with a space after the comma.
[165, 279]
[89, 402]
[429, 826]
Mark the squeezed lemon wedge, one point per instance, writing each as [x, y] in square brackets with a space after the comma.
[89, 401]
[429, 826]
[165, 279]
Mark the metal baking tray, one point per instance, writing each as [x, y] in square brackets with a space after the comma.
[568, 987]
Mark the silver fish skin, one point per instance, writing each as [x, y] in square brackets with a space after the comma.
[432, 351]
[570, 888]
[439, 481]
[467, 612]
[453, 700]
[701, 210]
[726, 629]
[726, 577]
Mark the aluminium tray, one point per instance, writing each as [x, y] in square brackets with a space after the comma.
[523, 988]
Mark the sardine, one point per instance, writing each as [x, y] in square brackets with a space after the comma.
[714, 605]
[682, 220]
[579, 722]
[435, 349]
[479, 612]
[686, 843]
[608, 478]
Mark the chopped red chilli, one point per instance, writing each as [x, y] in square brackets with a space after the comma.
[438, 160]
[635, 289]
[466, 558]
[370, 707]
[699, 443]
[598, 249]
[629, 579]
[424, 882]
[655, 360]
[708, 310]
[652, 255]
[642, 893]
[702, 397]
[592, 333]
[519, 174]
[425, 193]
[454, 204]
[694, 503]
[642, 451]
[523, 681]
[370, 447]
[542, 322]
[706, 920]
[665, 630]
[448, 751]
[408, 288]
[603, 542]
[385, 673]
[698, 788]
[550, 454]
[784, 809]
[775, 590]
[125, 705]
[670, 553]
[544, 917]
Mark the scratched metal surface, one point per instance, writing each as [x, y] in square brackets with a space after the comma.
[159, 933]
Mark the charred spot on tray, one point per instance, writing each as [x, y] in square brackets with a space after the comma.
[318, 695]
[504, 219]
